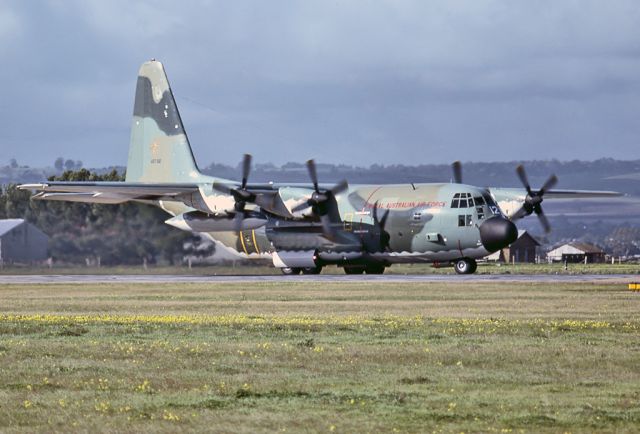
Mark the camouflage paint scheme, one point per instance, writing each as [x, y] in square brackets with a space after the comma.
[421, 225]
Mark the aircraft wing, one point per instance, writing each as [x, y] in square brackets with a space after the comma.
[510, 200]
[519, 194]
[107, 192]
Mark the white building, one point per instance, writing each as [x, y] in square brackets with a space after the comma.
[577, 252]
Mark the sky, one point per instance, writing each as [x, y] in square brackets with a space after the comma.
[353, 82]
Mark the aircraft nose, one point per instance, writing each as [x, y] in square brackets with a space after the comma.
[497, 232]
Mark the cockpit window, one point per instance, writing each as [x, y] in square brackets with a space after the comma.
[491, 203]
[462, 200]
[456, 200]
[489, 199]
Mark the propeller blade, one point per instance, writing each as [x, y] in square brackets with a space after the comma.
[457, 172]
[544, 221]
[237, 221]
[239, 206]
[313, 174]
[301, 206]
[327, 227]
[523, 178]
[380, 222]
[246, 168]
[222, 188]
[553, 179]
[340, 187]
[375, 213]
[383, 220]
[522, 212]
[384, 235]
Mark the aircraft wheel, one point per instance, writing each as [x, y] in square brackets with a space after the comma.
[375, 269]
[465, 266]
[288, 271]
[353, 270]
[311, 270]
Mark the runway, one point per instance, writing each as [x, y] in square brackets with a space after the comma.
[391, 278]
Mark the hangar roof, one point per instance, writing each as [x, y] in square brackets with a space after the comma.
[7, 225]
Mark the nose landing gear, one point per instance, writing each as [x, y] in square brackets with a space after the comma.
[465, 266]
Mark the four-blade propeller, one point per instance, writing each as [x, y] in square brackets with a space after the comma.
[321, 200]
[533, 201]
[241, 195]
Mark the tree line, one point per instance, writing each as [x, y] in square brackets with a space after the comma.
[124, 234]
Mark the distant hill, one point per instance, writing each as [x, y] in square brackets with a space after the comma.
[603, 174]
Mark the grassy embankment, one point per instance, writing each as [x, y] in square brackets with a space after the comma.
[320, 357]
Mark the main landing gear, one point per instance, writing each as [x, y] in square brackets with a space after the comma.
[465, 266]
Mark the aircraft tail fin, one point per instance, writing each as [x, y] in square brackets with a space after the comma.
[159, 149]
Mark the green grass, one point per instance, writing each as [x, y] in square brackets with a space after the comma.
[320, 357]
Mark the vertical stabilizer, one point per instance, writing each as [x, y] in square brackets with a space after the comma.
[159, 149]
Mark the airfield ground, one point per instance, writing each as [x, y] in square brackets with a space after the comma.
[471, 356]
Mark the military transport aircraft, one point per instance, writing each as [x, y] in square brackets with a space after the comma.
[303, 227]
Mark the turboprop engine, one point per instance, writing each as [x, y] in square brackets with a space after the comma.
[199, 221]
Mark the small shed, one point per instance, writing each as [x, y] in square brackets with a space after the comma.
[523, 249]
[21, 242]
[577, 252]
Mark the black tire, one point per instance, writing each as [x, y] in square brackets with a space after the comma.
[465, 266]
[374, 269]
[288, 271]
[311, 270]
[354, 270]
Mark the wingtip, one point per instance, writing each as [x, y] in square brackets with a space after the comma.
[32, 186]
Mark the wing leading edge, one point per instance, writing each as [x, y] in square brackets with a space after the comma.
[108, 192]
[509, 194]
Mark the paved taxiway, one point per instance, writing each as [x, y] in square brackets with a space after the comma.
[95, 278]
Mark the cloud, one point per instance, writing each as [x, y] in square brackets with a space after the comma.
[359, 82]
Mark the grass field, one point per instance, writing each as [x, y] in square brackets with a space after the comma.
[320, 357]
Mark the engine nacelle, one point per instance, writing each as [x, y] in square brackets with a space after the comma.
[295, 259]
[198, 221]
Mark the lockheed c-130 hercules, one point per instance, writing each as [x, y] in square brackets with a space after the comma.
[303, 227]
